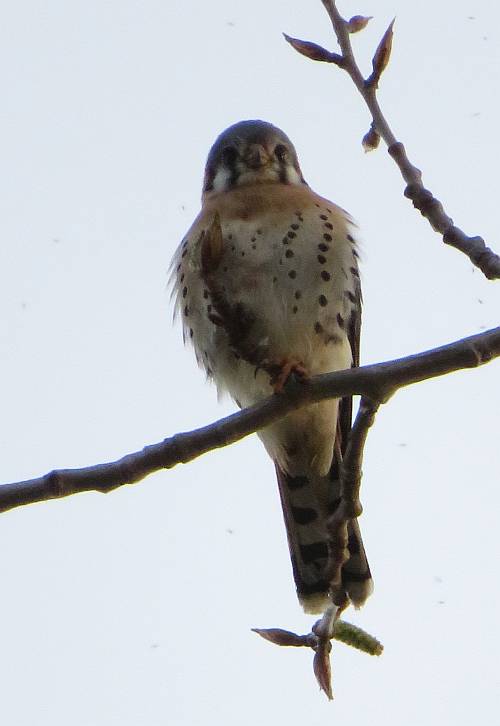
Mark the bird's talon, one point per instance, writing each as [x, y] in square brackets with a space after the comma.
[286, 369]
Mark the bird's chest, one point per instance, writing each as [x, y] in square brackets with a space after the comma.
[295, 274]
[287, 275]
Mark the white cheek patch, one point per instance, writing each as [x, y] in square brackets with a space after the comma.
[221, 179]
[292, 175]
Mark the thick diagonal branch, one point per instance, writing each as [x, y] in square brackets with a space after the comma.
[376, 382]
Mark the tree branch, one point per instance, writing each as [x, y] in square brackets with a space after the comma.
[375, 382]
[349, 507]
[429, 206]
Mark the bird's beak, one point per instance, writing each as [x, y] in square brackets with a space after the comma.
[256, 156]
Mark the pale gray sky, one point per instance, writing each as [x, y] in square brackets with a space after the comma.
[135, 608]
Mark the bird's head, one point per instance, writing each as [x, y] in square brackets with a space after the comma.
[251, 152]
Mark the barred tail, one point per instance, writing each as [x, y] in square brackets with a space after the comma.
[308, 501]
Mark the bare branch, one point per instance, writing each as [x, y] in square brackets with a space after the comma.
[371, 139]
[431, 208]
[358, 22]
[349, 507]
[375, 382]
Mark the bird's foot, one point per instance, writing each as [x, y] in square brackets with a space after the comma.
[285, 369]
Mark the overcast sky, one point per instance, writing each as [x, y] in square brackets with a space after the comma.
[135, 608]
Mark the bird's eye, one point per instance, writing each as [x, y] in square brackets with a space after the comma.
[280, 152]
[229, 155]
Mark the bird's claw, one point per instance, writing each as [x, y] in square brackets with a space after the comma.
[285, 369]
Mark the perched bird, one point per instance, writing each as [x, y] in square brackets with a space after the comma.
[267, 283]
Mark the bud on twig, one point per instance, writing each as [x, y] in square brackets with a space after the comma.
[357, 23]
[323, 670]
[278, 636]
[314, 51]
[319, 639]
[371, 139]
[381, 57]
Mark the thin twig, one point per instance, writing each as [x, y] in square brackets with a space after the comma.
[349, 507]
[429, 206]
[376, 382]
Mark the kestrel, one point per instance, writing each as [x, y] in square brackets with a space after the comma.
[267, 283]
